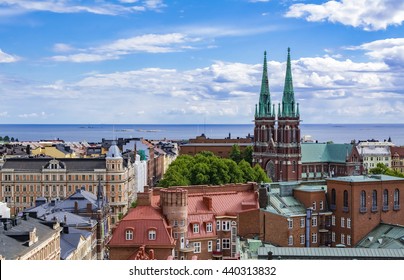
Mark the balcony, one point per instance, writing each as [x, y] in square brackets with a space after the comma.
[396, 207]
[187, 249]
[217, 254]
[363, 209]
[385, 208]
[374, 208]
[345, 209]
[333, 206]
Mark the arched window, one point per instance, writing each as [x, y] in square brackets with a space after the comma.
[129, 234]
[363, 199]
[374, 200]
[345, 198]
[396, 198]
[333, 198]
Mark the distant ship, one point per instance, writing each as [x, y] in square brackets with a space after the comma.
[148, 130]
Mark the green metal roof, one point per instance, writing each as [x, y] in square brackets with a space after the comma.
[325, 152]
[366, 178]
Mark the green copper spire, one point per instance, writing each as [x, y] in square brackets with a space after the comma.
[264, 107]
[288, 99]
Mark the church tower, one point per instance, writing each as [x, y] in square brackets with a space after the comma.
[289, 149]
[278, 150]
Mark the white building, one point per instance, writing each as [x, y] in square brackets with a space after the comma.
[373, 153]
[140, 167]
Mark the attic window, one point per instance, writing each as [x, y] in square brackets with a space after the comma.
[152, 234]
[129, 234]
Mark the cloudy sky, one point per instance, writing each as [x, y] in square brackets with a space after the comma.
[193, 61]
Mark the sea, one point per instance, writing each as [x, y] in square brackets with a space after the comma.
[337, 133]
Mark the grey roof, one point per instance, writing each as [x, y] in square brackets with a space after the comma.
[366, 178]
[13, 248]
[81, 196]
[69, 242]
[330, 253]
[384, 236]
[113, 151]
[215, 144]
[69, 219]
[284, 205]
[72, 164]
[312, 188]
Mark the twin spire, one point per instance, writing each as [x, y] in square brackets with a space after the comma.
[289, 107]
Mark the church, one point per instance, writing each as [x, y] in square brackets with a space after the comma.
[277, 140]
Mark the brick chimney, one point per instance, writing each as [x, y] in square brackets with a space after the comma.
[207, 200]
[144, 198]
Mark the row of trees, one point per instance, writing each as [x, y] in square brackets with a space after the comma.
[237, 155]
[205, 168]
[7, 139]
[383, 169]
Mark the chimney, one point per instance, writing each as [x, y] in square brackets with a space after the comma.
[65, 229]
[7, 225]
[207, 200]
[144, 198]
[263, 197]
[89, 208]
[76, 207]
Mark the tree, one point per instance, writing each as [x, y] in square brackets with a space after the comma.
[235, 153]
[260, 175]
[6, 139]
[12, 139]
[247, 154]
[383, 169]
[247, 170]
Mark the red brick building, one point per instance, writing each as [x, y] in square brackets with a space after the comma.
[361, 203]
[200, 222]
[397, 158]
[220, 147]
[296, 216]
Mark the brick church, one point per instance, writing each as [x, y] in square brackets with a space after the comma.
[277, 146]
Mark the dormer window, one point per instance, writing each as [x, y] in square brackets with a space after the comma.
[152, 234]
[129, 234]
[195, 228]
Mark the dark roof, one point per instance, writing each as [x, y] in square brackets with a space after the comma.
[12, 248]
[72, 164]
[70, 241]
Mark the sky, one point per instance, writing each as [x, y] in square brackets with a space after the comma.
[194, 62]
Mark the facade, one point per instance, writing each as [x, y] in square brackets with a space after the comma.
[372, 155]
[219, 147]
[29, 239]
[195, 222]
[295, 215]
[22, 180]
[397, 158]
[360, 203]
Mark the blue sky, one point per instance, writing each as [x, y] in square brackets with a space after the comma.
[193, 61]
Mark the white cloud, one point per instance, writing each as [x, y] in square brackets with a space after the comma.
[391, 50]
[75, 6]
[61, 47]
[149, 43]
[3, 114]
[33, 115]
[366, 14]
[8, 58]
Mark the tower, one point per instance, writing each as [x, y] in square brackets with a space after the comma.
[278, 150]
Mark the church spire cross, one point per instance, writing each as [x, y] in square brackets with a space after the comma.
[288, 98]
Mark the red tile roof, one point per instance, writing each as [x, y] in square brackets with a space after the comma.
[398, 150]
[141, 219]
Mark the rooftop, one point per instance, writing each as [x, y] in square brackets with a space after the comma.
[366, 178]
[384, 236]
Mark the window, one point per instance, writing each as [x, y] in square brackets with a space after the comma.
[225, 243]
[314, 205]
[302, 239]
[333, 236]
[290, 240]
[363, 199]
[226, 225]
[175, 223]
[302, 222]
[175, 235]
[152, 234]
[374, 200]
[182, 223]
[290, 223]
[314, 221]
[342, 238]
[321, 205]
[197, 247]
[129, 234]
[342, 222]
[210, 246]
[348, 222]
[396, 197]
[333, 220]
[209, 227]
[314, 238]
[218, 225]
[195, 228]
[385, 197]
[348, 239]
[218, 244]
[333, 199]
[345, 199]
